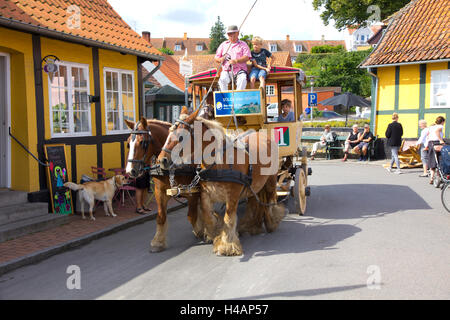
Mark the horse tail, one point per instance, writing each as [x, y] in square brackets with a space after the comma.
[73, 186]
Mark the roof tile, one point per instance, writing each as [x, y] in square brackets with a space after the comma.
[99, 21]
[418, 32]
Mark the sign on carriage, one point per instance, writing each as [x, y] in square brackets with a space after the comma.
[282, 136]
[57, 175]
[247, 102]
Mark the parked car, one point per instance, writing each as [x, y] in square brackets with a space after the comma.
[272, 110]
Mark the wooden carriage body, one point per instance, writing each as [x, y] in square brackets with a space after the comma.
[284, 83]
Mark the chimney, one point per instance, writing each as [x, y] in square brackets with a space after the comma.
[146, 35]
[185, 36]
[288, 38]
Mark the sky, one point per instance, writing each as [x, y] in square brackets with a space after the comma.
[268, 19]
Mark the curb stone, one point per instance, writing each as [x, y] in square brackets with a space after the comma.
[39, 256]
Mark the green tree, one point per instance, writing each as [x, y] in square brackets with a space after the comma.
[342, 70]
[248, 39]
[166, 51]
[217, 35]
[356, 12]
[327, 49]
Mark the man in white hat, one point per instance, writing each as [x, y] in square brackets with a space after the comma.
[233, 54]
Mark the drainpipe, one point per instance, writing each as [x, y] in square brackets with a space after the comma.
[374, 99]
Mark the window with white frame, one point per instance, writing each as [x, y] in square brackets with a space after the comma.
[440, 89]
[69, 100]
[178, 47]
[298, 48]
[199, 47]
[120, 99]
[273, 47]
[270, 90]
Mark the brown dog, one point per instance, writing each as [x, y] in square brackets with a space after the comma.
[102, 191]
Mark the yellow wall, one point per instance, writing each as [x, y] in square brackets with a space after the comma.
[430, 118]
[409, 90]
[23, 108]
[386, 88]
[111, 156]
[86, 158]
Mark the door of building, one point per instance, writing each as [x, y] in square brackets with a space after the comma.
[5, 121]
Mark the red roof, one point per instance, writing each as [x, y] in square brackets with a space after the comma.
[100, 24]
[418, 32]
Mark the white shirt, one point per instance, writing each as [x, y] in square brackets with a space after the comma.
[423, 137]
[432, 136]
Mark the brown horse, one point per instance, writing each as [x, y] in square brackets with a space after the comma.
[260, 192]
[146, 142]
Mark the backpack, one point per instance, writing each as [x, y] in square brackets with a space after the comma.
[445, 159]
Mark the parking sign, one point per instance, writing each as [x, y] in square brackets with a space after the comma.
[312, 99]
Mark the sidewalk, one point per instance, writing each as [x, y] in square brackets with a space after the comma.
[77, 232]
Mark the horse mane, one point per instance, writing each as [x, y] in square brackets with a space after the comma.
[156, 121]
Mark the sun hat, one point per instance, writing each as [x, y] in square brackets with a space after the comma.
[232, 29]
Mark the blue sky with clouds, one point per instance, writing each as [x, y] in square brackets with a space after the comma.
[268, 19]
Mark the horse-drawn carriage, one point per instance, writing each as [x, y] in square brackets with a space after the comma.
[241, 174]
[251, 113]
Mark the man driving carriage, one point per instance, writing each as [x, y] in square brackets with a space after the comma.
[233, 54]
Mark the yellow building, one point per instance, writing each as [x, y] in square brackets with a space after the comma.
[69, 74]
[410, 68]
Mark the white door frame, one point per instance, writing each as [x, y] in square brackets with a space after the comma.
[8, 117]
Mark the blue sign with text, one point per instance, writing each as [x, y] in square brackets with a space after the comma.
[312, 99]
[246, 102]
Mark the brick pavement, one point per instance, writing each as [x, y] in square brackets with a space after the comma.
[74, 229]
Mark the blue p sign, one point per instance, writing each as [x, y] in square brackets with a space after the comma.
[312, 99]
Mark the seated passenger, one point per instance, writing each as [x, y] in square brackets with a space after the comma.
[351, 142]
[327, 136]
[364, 138]
[260, 68]
[287, 115]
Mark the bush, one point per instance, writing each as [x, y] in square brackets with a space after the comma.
[166, 51]
[335, 124]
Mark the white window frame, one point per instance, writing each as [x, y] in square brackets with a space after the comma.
[120, 72]
[177, 47]
[199, 47]
[269, 89]
[446, 93]
[296, 46]
[69, 66]
[273, 47]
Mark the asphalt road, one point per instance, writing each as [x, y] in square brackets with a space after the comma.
[367, 234]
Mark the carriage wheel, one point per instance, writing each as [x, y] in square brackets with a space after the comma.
[300, 191]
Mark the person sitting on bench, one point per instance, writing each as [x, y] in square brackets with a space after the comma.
[365, 138]
[351, 142]
[327, 136]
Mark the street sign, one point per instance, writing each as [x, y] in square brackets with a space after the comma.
[186, 67]
[312, 99]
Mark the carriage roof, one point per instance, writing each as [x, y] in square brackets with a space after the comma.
[275, 72]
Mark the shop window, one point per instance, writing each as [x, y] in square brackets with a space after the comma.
[440, 89]
[69, 100]
[120, 99]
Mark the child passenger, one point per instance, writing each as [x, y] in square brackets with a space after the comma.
[262, 61]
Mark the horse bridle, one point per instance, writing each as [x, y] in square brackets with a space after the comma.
[145, 145]
[175, 127]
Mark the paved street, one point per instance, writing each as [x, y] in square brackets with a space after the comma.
[362, 224]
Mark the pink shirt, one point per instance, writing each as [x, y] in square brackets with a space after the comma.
[236, 51]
